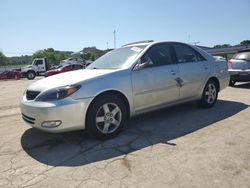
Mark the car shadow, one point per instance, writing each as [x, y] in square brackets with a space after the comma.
[243, 85]
[162, 126]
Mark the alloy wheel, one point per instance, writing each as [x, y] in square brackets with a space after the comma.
[210, 93]
[108, 118]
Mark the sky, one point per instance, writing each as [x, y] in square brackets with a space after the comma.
[30, 25]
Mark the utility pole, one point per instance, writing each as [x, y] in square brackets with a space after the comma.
[114, 39]
[107, 45]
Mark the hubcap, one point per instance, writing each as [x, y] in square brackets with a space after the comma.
[30, 75]
[108, 118]
[210, 93]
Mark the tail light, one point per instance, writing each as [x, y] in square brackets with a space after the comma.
[229, 64]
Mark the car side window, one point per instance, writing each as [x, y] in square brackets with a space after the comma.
[68, 67]
[158, 55]
[186, 54]
[77, 67]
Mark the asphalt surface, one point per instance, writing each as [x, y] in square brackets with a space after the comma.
[181, 146]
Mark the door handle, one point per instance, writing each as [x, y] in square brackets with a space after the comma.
[173, 72]
[205, 67]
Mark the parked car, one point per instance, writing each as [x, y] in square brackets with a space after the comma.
[239, 68]
[11, 74]
[63, 68]
[72, 60]
[125, 82]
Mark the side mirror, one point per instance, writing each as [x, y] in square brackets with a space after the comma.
[140, 65]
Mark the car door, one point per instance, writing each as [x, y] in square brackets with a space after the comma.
[67, 68]
[39, 65]
[154, 84]
[194, 70]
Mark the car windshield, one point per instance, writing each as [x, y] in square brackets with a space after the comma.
[242, 56]
[117, 59]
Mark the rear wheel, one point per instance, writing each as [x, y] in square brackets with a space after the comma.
[209, 95]
[30, 75]
[232, 83]
[106, 117]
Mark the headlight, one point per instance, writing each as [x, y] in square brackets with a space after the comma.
[58, 93]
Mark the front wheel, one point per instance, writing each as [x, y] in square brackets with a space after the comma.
[31, 75]
[106, 117]
[209, 95]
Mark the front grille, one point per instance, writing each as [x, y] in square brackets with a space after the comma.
[28, 119]
[31, 95]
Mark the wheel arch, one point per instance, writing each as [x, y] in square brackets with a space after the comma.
[216, 80]
[112, 92]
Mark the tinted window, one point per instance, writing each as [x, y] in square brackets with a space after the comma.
[186, 54]
[68, 67]
[77, 66]
[158, 55]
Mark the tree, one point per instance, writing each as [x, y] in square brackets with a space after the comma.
[222, 46]
[245, 42]
[3, 59]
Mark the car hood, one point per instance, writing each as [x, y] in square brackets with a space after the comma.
[67, 78]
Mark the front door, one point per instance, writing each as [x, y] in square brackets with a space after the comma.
[155, 84]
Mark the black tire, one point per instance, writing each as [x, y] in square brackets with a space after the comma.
[232, 83]
[209, 95]
[97, 118]
[30, 75]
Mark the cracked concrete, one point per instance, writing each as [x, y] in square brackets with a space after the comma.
[181, 146]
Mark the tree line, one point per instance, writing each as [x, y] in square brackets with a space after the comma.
[54, 57]
[244, 43]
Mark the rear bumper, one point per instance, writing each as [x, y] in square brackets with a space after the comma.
[240, 75]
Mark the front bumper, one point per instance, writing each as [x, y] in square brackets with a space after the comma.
[71, 113]
[239, 75]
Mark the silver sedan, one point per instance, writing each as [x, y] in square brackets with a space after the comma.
[239, 68]
[134, 79]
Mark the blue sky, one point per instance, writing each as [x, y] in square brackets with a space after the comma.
[30, 25]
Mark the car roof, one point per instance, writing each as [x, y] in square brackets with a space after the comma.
[151, 42]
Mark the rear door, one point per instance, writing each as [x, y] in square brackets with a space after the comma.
[155, 84]
[194, 70]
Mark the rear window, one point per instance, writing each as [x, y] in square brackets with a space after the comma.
[242, 56]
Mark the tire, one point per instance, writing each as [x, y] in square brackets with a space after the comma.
[106, 117]
[30, 75]
[209, 95]
[232, 83]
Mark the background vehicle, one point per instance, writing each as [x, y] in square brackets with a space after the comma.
[239, 68]
[63, 68]
[10, 75]
[38, 67]
[125, 82]
[72, 60]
